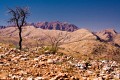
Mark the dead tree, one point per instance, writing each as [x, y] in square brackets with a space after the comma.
[18, 17]
[57, 40]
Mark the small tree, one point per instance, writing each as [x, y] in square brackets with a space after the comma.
[18, 17]
[57, 40]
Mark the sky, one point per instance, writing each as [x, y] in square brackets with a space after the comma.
[94, 15]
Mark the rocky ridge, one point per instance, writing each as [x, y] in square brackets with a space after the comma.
[55, 25]
[63, 26]
[109, 35]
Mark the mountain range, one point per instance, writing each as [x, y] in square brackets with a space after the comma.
[56, 25]
[64, 26]
[108, 35]
[76, 40]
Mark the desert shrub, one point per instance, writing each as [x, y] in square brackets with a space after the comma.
[0, 50]
[54, 41]
[50, 49]
[46, 48]
[26, 49]
[17, 47]
[12, 45]
[41, 51]
[60, 54]
[53, 49]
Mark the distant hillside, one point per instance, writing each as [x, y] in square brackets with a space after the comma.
[63, 26]
[32, 34]
[109, 35]
[81, 43]
[2, 27]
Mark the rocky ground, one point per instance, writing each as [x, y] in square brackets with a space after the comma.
[32, 64]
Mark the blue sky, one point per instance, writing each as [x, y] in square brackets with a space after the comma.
[95, 15]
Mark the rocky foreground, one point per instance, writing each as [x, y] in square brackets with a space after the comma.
[33, 64]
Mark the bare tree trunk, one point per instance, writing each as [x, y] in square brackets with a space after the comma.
[20, 36]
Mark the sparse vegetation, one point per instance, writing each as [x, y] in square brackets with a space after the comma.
[56, 41]
[59, 50]
[57, 55]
